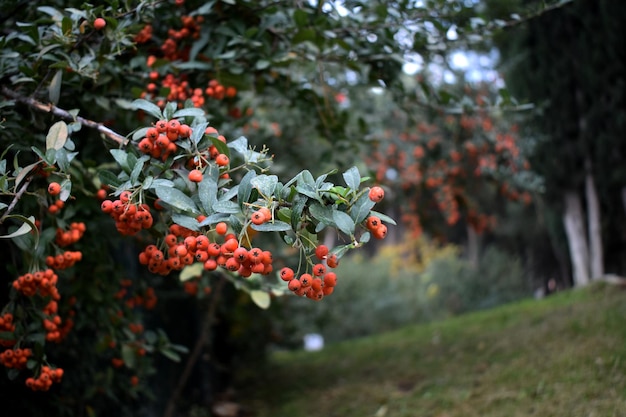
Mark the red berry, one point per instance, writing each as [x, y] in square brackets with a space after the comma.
[54, 188]
[99, 23]
[321, 251]
[195, 175]
[377, 194]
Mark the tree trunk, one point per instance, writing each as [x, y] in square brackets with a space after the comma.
[576, 238]
[596, 253]
[473, 243]
[624, 197]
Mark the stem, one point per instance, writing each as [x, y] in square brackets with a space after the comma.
[16, 198]
[64, 114]
[205, 332]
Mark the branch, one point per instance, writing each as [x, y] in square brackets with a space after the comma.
[16, 198]
[64, 114]
[205, 333]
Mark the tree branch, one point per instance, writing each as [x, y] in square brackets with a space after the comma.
[205, 333]
[16, 198]
[65, 115]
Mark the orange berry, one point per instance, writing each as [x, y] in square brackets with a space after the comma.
[195, 175]
[222, 160]
[258, 217]
[286, 274]
[221, 228]
[321, 251]
[99, 23]
[54, 188]
[376, 194]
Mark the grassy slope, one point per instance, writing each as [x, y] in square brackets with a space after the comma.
[561, 356]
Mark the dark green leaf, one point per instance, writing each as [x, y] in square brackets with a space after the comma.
[189, 222]
[276, 226]
[227, 207]
[245, 188]
[343, 222]
[148, 107]
[176, 199]
[352, 178]
[207, 193]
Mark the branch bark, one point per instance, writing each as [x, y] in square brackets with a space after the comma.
[65, 115]
[205, 333]
[576, 238]
[596, 252]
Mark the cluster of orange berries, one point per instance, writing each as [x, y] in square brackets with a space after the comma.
[317, 284]
[217, 91]
[73, 235]
[144, 35]
[186, 247]
[148, 300]
[191, 29]
[376, 227]
[54, 189]
[63, 260]
[56, 329]
[15, 358]
[160, 139]
[7, 325]
[130, 218]
[46, 378]
[42, 282]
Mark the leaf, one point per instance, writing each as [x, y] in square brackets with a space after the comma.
[221, 146]
[170, 354]
[227, 207]
[239, 145]
[109, 178]
[207, 193]
[245, 188]
[343, 222]
[275, 226]
[188, 222]
[128, 355]
[191, 271]
[66, 190]
[134, 175]
[322, 213]
[176, 198]
[24, 173]
[260, 298]
[352, 178]
[361, 208]
[383, 217]
[189, 112]
[54, 89]
[299, 202]
[265, 184]
[57, 135]
[121, 157]
[27, 225]
[148, 107]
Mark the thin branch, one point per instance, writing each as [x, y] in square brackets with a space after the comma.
[65, 115]
[16, 198]
[205, 332]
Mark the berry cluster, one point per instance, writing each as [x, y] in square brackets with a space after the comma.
[63, 260]
[7, 325]
[317, 284]
[67, 237]
[191, 29]
[148, 300]
[160, 139]
[42, 282]
[15, 358]
[130, 217]
[55, 328]
[376, 227]
[46, 378]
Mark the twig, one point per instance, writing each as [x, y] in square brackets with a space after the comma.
[16, 198]
[64, 114]
[205, 332]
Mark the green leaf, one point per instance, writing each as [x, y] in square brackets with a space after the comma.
[265, 184]
[128, 355]
[24, 173]
[189, 222]
[176, 199]
[361, 208]
[352, 178]
[221, 146]
[322, 213]
[66, 190]
[170, 354]
[134, 175]
[245, 188]
[148, 107]
[261, 298]
[299, 202]
[343, 222]
[275, 226]
[198, 132]
[189, 112]
[54, 89]
[191, 271]
[239, 145]
[109, 178]
[227, 207]
[121, 157]
[57, 135]
[383, 217]
[27, 225]
[207, 193]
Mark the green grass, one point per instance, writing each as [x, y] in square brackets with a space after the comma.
[561, 356]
